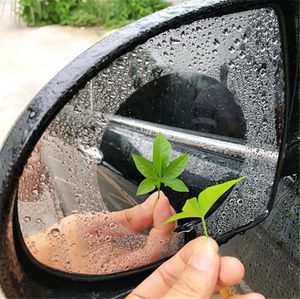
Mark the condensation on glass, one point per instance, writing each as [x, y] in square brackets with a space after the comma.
[214, 87]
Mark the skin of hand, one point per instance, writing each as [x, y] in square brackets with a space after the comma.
[196, 271]
[95, 243]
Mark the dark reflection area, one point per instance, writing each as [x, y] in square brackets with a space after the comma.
[188, 101]
[118, 172]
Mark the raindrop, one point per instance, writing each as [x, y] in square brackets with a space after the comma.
[29, 167]
[262, 72]
[174, 41]
[107, 238]
[242, 54]
[237, 42]
[55, 232]
[232, 49]
[35, 193]
[216, 43]
[244, 37]
[39, 221]
[42, 177]
[231, 64]
[240, 201]
[225, 31]
[113, 226]
[32, 114]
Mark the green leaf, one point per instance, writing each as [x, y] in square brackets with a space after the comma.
[210, 195]
[177, 216]
[191, 207]
[156, 170]
[194, 208]
[189, 210]
[177, 166]
[146, 186]
[144, 166]
[175, 184]
[161, 153]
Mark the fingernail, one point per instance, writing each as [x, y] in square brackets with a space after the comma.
[204, 255]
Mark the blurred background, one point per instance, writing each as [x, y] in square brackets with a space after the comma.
[40, 37]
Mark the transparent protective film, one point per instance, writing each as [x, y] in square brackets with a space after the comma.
[214, 88]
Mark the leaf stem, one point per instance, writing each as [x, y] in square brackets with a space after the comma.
[204, 227]
[158, 194]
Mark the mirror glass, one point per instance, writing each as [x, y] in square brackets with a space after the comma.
[215, 88]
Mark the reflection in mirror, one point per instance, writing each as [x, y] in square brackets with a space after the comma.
[214, 88]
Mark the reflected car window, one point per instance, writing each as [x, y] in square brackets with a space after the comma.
[215, 88]
[188, 101]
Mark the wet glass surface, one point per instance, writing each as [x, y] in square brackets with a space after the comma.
[270, 251]
[214, 88]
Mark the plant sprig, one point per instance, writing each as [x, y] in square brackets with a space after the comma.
[160, 171]
[198, 208]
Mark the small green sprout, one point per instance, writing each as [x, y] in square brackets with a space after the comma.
[160, 171]
[198, 208]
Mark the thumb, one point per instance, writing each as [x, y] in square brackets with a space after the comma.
[162, 211]
[199, 277]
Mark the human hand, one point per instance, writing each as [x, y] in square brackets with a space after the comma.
[104, 243]
[196, 271]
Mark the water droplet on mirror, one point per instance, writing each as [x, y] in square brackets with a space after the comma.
[242, 54]
[35, 193]
[231, 64]
[174, 41]
[32, 114]
[225, 31]
[29, 167]
[114, 226]
[244, 38]
[263, 72]
[231, 49]
[240, 201]
[216, 43]
[237, 42]
[39, 221]
[55, 232]
[107, 238]
[42, 177]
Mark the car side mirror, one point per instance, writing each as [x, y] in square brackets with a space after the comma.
[216, 78]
